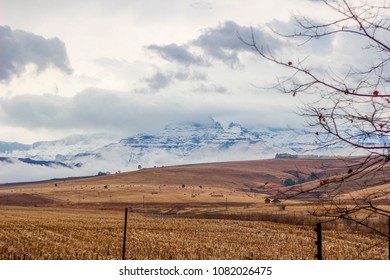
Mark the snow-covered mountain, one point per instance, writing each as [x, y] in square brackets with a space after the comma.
[56, 150]
[8, 147]
[208, 142]
[181, 143]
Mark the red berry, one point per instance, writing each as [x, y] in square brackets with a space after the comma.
[289, 63]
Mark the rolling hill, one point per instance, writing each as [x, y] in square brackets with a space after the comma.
[239, 182]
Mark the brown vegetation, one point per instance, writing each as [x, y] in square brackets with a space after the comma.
[51, 233]
[210, 211]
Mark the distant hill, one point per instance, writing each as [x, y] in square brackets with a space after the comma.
[258, 176]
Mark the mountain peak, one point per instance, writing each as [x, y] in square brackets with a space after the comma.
[236, 126]
[194, 126]
[181, 143]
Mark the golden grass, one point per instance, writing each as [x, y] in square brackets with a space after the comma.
[227, 199]
[75, 193]
[54, 233]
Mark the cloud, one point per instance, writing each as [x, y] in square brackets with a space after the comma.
[161, 80]
[158, 81]
[224, 42]
[20, 48]
[33, 110]
[318, 45]
[11, 172]
[201, 5]
[98, 110]
[174, 52]
[210, 88]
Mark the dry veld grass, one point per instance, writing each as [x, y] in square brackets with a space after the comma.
[241, 182]
[83, 219]
[54, 233]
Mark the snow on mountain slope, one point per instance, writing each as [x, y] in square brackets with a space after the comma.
[6, 147]
[58, 149]
[180, 143]
[185, 143]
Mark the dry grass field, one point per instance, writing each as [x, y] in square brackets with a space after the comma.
[57, 233]
[241, 182]
[207, 211]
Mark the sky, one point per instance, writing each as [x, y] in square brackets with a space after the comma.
[124, 67]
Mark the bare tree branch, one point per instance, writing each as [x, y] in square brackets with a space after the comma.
[353, 107]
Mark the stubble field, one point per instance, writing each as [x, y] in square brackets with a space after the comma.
[54, 233]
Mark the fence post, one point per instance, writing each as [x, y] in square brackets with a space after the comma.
[318, 230]
[124, 236]
[226, 203]
[389, 236]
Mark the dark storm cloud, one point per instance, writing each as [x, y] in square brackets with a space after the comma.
[20, 48]
[174, 52]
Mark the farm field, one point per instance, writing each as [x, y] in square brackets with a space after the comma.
[57, 233]
[206, 211]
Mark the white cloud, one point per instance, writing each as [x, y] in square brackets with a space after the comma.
[11, 172]
[203, 88]
[125, 112]
[138, 65]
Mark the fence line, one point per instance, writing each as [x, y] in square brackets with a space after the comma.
[318, 242]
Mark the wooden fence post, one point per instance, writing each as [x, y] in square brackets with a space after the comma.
[124, 236]
[226, 203]
[318, 230]
[389, 236]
